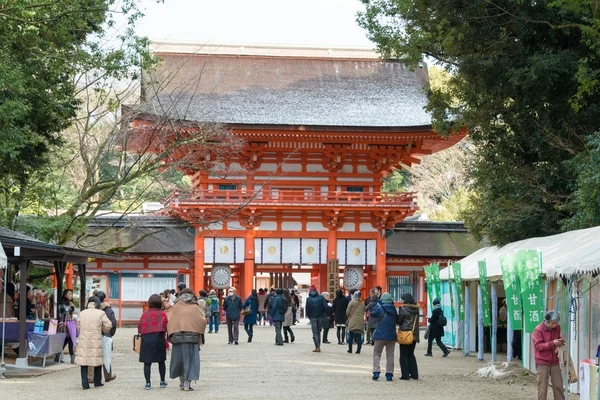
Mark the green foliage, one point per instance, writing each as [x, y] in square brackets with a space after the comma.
[524, 82]
[397, 181]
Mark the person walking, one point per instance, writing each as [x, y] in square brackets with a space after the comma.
[547, 340]
[215, 312]
[105, 306]
[233, 307]
[278, 315]
[92, 323]
[384, 336]
[250, 319]
[356, 321]
[316, 307]
[288, 320]
[262, 311]
[408, 319]
[153, 348]
[184, 328]
[269, 305]
[370, 302]
[340, 304]
[436, 330]
[295, 306]
[203, 304]
[65, 313]
[329, 318]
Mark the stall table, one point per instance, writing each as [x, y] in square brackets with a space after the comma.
[44, 344]
[12, 330]
[588, 380]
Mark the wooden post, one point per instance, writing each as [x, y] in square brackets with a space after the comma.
[249, 270]
[323, 278]
[69, 276]
[22, 361]
[509, 338]
[198, 281]
[381, 277]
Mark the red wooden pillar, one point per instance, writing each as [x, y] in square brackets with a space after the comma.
[197, 282]
[249, 270]
[381, 272]
[69, 278]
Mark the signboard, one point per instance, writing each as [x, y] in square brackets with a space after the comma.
[140, 289]
[529, 267]
[485, 297]
[457, 273]
[512, 288]
[333, 276]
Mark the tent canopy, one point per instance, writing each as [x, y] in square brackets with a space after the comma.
[565, 254]
[3, 258]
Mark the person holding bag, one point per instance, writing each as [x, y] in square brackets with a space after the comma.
[92, 323]
[65, 313]
[184, 328]
[436, 329]
[408, 317]
[153, 348]
[384, 336]
[356, 321]
[250, 310]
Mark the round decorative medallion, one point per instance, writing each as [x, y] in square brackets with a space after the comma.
[356, 252]
[224, 250]
[272, 250]
[221, 276]
[310, 250]
[353, 277]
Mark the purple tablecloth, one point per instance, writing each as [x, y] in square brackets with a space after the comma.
[40, 344]
[12, 330]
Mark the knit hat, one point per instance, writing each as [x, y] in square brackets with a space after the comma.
[357, 295]
[386, 298]
[436, 301]
[212, 292]
[313, 287]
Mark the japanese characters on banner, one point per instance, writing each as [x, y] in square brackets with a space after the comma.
[457, 273]
[451, 299]
[529, 269]
[512, 288]
[435, 275]
[485, 297]
[428, 282]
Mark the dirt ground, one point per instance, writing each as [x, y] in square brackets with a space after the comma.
[261, 370]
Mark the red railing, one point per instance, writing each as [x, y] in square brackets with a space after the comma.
[282, 197]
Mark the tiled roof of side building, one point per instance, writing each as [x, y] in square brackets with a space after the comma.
[287, 90]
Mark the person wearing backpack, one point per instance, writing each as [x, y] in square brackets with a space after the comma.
[269, 305]
[214, 317]
[289, 317]
[278, 315]
[437, 321]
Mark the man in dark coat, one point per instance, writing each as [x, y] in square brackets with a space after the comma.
[436, 330]
[278, 315]
[316, 306]
[233, 307]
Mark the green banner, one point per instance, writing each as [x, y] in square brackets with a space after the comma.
[450, 282]
[485, 297]
[512, 288]
[435, 275]
[429, 283]
[530, 277]
[457, 273]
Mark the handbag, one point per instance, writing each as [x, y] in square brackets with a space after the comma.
[427, 332]
[406, 337]
[137, 343]
[247, 311]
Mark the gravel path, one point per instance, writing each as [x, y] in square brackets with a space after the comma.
[261, 370]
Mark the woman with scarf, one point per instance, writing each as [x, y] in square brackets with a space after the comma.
[408, 319]
[436, 331]
[185, 326]
[153, 349]
[250, 319]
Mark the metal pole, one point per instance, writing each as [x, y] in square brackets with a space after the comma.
[2, 365]
[509, 340]
[568, 342]
[494, 321]
[467, 324]
[479, 324]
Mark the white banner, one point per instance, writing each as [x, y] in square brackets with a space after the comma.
[223, 250]
[356, 252]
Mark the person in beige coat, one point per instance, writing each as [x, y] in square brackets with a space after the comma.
[356, 321]
[91, 324]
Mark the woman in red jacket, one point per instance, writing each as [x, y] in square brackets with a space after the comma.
[546, 342]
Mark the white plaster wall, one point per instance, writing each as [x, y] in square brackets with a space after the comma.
[366, 227]
[315, 227]
[315, 168]
[235, 226]
[268, 226]
[348, 227]
[291, 226]
[267, 167]
[291, 167]
[362, 169]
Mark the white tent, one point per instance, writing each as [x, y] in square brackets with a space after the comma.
[565, 254]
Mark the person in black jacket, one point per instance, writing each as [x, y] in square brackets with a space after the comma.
[340, 304]
[408, 319]
[105, 306]
[316, 307]
[436, 331]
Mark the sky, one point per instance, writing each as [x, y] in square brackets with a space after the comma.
[303, 22]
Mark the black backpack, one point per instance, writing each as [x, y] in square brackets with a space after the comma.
[283, 306]
[442, 321]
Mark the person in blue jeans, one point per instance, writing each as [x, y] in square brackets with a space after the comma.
[214, 318]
